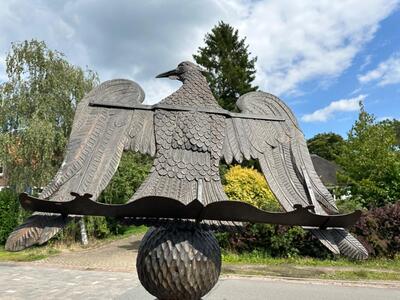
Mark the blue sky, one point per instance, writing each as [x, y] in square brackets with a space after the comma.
[381, 99]
[321, 57]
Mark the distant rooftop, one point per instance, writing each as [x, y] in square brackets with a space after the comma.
[326, 170]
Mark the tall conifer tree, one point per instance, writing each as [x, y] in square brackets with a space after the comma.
[231, 70]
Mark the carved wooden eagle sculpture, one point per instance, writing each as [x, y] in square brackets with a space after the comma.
[188, 133]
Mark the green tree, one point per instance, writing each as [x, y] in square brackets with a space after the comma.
[395, 124]
[132, 171]
[371, 161]
[226, 57]
[38, 102]
[10, 214]
[327, 145]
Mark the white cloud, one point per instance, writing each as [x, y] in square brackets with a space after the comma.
[387, 72]
[326, 113]
[356, 91]
[295, 41]
[156, 89]
[367, 61]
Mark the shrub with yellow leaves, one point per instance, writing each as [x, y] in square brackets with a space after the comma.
[249, 185]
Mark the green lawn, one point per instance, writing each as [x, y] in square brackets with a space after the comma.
[362, 275]
[302, 267]
[135, 230]
[53, 248]
[30, 254]
[258, 258]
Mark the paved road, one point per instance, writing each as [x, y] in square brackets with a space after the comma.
[119, 255]
[108, 272]
[35, 282]
[22, 281]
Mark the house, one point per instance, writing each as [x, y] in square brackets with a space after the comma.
[326, 171]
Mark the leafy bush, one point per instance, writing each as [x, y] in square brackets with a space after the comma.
[132, 171]
[9, 213]
[273, 240]
[379, 230]
[348, 205]
[248, 185]
[96, 227]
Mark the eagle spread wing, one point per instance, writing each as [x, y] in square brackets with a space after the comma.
[282, 152]
[98, 137]
[101, 132]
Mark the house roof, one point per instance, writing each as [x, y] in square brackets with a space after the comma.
[325, 169]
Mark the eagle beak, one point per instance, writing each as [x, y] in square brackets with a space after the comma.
[170, 74]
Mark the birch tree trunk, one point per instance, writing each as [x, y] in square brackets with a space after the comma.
[84, 238]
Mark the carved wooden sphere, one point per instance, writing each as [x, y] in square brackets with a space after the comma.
[179, 261]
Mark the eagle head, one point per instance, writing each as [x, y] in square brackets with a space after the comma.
[182, 71]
